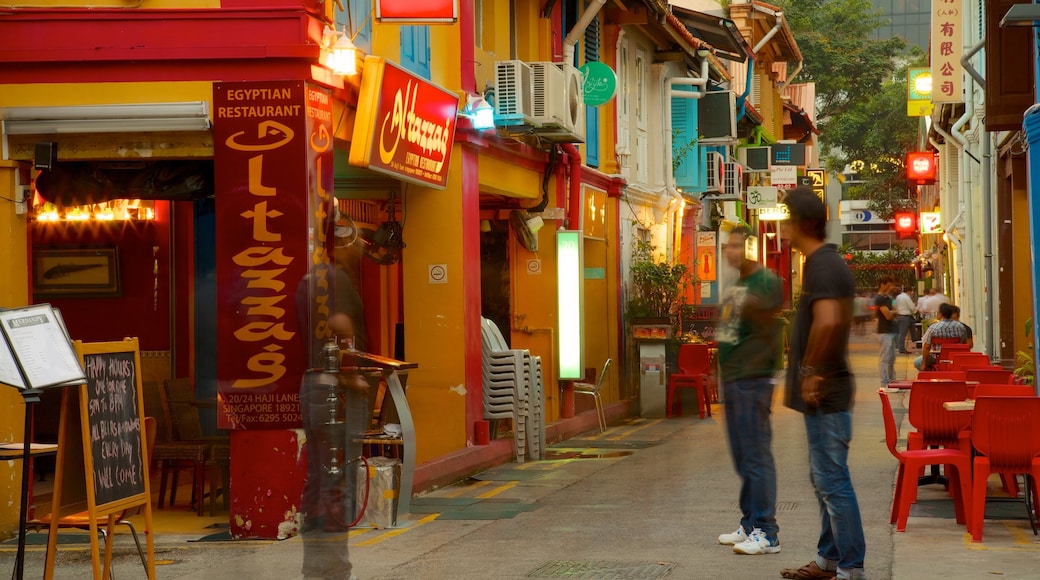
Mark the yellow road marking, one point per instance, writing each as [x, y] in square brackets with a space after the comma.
[631, 430]
[463, 489]
[498, 490]
[398, 532]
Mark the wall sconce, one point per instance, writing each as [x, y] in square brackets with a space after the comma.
[342, 57]
[480, 112]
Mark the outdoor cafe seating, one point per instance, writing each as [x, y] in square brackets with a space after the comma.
[991, 376]
[912, 461]
[1005, 435]
[963, 361]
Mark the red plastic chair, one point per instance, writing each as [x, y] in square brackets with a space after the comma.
[944, 340]
[911, 462]
[1005, 432]
[993, 376]
[947, 375]
[963, 361]
[1003, 390]
[694, 365]
[936, 427]
[948, 350]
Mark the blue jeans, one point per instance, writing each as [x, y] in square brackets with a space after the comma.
[887, 358]
[903, 324]
[842, 542]
[748, 408]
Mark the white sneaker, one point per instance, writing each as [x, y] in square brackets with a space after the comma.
[735, 538]
[758, 543]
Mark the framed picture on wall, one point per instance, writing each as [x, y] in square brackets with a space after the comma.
[76, 272]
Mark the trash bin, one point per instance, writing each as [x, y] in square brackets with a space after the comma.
[384, 487]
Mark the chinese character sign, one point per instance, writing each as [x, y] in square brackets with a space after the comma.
[946, 47]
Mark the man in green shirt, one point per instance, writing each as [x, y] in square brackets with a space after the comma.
[748, 336]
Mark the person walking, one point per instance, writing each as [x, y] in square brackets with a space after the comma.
[886, 330]
[820, 385]
[905, 307]
[748, 337]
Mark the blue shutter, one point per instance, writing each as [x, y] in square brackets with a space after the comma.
[415, 50]
[689, 175]
[357, 21]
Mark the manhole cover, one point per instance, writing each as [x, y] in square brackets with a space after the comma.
[603, 569]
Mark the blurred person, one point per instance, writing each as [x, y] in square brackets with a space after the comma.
[820, 385]
[861, 312]
[748, 337]
[905, 307]
[334, 407]
[925, 307]
[886, 330]
[946, 327]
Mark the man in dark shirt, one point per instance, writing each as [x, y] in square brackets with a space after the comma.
[749, 345]
[887, 330]
[820, 385]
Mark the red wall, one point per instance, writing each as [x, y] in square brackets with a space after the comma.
[137, 312]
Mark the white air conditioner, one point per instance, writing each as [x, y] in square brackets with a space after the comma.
[514, 93]
[716, 167]
[733, 179]
[559, 109]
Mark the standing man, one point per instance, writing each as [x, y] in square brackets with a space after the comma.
[905, 308]
[749, 345]
[886, 330]
[820, 385]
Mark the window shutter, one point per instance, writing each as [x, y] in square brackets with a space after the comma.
[684, 130]
[1009, 69]
[415, 50]
[357, 21]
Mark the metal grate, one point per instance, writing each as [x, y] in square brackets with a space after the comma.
[602, 569]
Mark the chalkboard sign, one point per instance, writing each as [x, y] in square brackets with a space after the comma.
[114, 422]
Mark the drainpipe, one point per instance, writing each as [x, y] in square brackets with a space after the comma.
[791, 76]
[742, 99]
[578, 31]
[772, 31]
[700, 84]
[966, 62]
[573, 157]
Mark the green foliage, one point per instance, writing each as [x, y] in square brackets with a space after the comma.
[869, 267]
[658, 288]
[1025, 364]
[896, 255]
[861, 91]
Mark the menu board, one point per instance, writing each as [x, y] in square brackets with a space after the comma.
[35, 339]
[114, 425]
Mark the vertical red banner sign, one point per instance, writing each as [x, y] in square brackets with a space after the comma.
[273, 157]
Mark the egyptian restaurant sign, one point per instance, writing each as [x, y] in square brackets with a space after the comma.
[405, 125]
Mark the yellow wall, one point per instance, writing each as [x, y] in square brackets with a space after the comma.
[14, 270]
[1022, 269]
[434, 315]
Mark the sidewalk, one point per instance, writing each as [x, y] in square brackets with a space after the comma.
[646, 499]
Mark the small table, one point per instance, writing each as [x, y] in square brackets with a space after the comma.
[10, 451]
[968, 405]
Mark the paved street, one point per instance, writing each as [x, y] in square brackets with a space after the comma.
[646, 499]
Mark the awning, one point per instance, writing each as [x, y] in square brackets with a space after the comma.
[720, 33]
[797, 117]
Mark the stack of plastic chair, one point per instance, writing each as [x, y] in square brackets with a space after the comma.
[505, 386]
[535, 409]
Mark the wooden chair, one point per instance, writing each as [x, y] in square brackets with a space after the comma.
[1005, 433]
[187, 447]
[912, 461]
[593, 390]
[81, 520]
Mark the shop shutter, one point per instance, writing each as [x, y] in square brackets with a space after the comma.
[357, 22]
[592, 113]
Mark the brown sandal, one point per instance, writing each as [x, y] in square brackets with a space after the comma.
[808, 572]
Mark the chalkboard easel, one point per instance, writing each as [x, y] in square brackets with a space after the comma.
[102, 464]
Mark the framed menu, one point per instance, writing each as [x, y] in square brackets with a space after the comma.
[36, 349]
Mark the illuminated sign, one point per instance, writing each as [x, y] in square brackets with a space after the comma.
[906, 223]
[931, 222]
[788, 154]
[946, 40]
[570, 287]
[920, 167]
[919, 92]
[405, 125]
[435, 11]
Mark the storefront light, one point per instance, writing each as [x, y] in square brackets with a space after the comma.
[570, 284]
[342, 58]
[111, 211]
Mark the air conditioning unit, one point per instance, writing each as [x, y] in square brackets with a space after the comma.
[716, 117]
[733, 180]
[514, 93]
[716, 168]
[559, 109]
[755, 159]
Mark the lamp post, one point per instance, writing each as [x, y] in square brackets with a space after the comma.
[1029, 15]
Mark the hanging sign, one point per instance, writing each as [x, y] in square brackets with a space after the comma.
[405, 125]
[707, 257]
[429, 11]
[784, 176]
[761, 196]
[600, 83]
[947, 33]
[931, 222]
